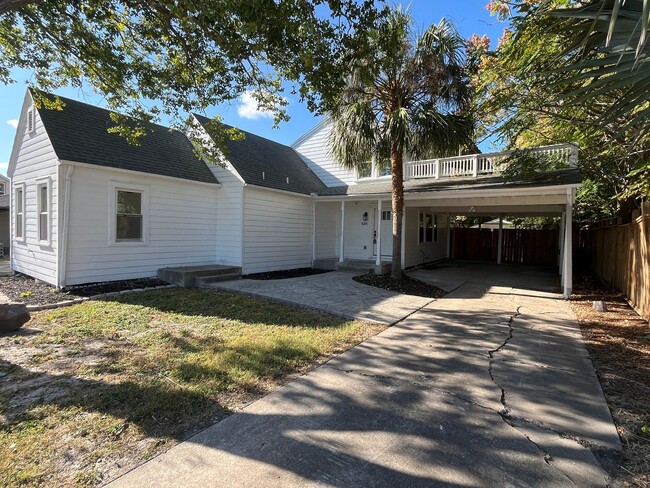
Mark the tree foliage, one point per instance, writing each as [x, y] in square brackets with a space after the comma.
[529, 97]
[408, 95]
[153, 57]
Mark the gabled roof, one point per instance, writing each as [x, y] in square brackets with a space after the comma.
[267, 163]
[78, 134]
[553, 178]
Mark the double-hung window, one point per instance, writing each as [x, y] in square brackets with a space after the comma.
[43, 211]
[129, 220]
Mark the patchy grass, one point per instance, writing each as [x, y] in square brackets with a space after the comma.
[91, 391]
[619, 345]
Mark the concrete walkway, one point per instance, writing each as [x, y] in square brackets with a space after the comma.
[5, 267]
[335, 293]
[490, 386]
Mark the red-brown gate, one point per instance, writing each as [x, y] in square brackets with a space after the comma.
[522, 246]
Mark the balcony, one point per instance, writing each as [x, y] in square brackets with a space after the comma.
[475, 165]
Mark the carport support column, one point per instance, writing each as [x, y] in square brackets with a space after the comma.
[378, 234]
[560, 263]
[568, 246]
[404, 237]
[342, 244]
[500, 244]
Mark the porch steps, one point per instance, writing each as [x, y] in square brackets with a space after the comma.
[196, 276]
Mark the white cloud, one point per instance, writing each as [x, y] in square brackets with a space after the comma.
[13, 123]
[248, 109]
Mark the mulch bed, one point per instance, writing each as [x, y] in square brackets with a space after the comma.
[406, 285]
[619, 345]
[284, 274]
[25, 289]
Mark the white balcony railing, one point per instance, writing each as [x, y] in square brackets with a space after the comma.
[483, 164]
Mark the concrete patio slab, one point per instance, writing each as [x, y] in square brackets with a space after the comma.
[467, 391]
[333, 292]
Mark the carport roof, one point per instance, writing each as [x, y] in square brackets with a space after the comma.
[568, 177]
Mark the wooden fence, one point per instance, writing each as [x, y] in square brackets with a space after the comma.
[522, 246]
[621, 258]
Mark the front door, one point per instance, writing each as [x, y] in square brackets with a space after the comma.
[386, 233]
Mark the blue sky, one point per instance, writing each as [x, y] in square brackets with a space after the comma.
[470, 17]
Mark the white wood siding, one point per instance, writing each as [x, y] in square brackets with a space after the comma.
[34, 160]
[416, 253]
[277, 231]
[315, 151]
[182, 227]
[328, 229]
[230, 200]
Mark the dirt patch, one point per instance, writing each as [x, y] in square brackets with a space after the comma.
[619, 345]
[25, 289]
[405, 285]
[288, 273]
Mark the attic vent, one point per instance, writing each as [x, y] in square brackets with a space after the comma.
[263, 175]
[30, 119]
[287, 180]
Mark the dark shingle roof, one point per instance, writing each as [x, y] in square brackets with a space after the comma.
[554, 178]
[266, 163]
[78, 133]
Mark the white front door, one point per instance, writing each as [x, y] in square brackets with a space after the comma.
[386, 233]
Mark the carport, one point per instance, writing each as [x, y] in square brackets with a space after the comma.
[360, 216]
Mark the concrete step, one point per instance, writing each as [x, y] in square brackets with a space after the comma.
[185, 276]
[201, 281]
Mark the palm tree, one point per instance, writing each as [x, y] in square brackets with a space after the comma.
[406, 96]
[608, 53]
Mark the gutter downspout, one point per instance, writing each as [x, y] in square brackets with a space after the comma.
[63, 238]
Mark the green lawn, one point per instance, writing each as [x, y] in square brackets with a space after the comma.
[104, 385]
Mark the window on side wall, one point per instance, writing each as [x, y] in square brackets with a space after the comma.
[19, 213]
[2, 188]
[43, 212]
[129, 219]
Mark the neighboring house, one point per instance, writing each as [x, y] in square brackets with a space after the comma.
[494, 224]
[90, 207]
[5, 236]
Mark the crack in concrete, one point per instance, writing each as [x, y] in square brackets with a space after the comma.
[505, 412]
[511, 420]
[491, 354]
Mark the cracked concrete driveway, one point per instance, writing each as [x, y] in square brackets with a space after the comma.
[489, 386]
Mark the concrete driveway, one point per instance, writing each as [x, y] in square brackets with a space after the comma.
[489, 386]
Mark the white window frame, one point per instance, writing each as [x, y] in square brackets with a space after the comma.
[422, 224]
[19, 187]
[374, 173]
[3, 187]
[114, 187]
[30, 123]
[44, 183]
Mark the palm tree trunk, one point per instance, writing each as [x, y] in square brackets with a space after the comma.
[396, 162]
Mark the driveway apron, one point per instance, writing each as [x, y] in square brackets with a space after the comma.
[489, 386]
